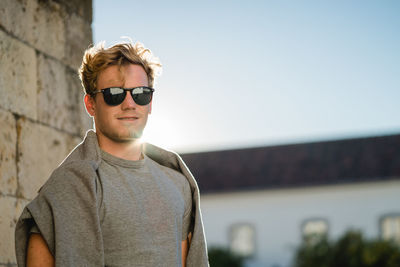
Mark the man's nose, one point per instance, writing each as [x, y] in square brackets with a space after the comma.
[128, 102]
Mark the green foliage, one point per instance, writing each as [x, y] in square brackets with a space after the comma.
[314, 252]
[221, 257]
[350, 250]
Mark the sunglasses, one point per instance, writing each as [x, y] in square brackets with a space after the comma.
[114, 96]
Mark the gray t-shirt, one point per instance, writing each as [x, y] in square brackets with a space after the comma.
[144, 212]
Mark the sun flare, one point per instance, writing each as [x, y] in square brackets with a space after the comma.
[163, 132]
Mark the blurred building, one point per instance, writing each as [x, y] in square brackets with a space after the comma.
[260, 202]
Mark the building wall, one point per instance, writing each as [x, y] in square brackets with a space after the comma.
[277, 215]
[41, 109]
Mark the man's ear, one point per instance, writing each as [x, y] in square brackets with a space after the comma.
[150, 106]
[90, 105]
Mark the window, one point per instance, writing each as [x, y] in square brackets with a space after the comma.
[314, 229]
[390, 228]
[242, 239]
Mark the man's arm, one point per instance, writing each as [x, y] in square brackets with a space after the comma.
[184, 251]
[38, 253]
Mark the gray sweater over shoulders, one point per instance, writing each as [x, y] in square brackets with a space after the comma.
[55, 210]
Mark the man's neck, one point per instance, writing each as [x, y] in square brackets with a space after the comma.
[125, 150]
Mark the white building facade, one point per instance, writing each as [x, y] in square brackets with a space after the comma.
[273, 221]
[260, 202]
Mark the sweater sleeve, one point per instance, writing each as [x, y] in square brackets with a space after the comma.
[67, 215]
[187, 223]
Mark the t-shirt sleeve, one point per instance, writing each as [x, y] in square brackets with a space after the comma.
[187, 216]
[34, 229]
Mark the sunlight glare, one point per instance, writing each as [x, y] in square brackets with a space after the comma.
[163, 132]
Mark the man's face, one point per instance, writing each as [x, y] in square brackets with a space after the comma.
[125, 122]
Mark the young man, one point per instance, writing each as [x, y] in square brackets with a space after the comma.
[115, 201]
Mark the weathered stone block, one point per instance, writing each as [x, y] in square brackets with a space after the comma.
[49, 29]
[85, 121]
[78, 39]
[17, 76]
[40, 23]
[13, 13]
[8, 146]
[10, 209]
[82, 7]
[58, 93]
[41, 149]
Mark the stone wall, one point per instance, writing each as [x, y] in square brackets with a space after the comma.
[42, 116]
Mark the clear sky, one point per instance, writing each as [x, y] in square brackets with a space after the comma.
[254, 73]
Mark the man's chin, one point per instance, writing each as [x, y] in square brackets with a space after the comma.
[126, 137]
[128, 140]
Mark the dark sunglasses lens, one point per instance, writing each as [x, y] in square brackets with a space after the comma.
[114, 96]
[143, 98]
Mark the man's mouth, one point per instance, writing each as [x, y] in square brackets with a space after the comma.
[128, 118]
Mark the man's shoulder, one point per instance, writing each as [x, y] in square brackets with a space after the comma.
[162, 156]
[169, 162]
[168, 158]
[172, 172]
[71, 173]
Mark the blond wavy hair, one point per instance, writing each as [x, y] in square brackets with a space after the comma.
[98, 58]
